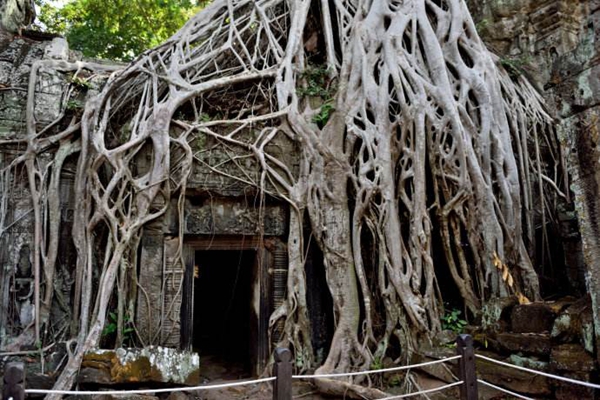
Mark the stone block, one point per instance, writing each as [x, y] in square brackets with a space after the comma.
[438, 371]
[150, 282]
[575, 324]
[512, 379]
[20, 76]
[529, 362]
[12, 106]
[562, 304]
[532, 318]
[528, 343]
[47, 107]
[34, 53]
[114, 397]
[57, 50]
[495, 314]
[178, 396]
[569, 391]
[147, 365]
[5, 72]
[580, 92]
[14, 51]
[51, 82]
[571, 357]
[224, 217]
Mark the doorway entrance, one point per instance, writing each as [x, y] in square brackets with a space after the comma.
[226, 305]
[222, 298]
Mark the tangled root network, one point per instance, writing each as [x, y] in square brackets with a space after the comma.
[418, 157]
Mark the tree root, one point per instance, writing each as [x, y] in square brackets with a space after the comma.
[409, 138]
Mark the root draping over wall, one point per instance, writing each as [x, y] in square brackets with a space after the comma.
[409, 134]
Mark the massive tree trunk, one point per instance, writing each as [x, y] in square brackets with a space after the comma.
[409, 135]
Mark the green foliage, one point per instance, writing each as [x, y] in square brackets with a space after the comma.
[111, 326]
[324, 113]
[317, 83]
[452, 321]
[514, 65]
[74, 105]
[204, 117]
[116, 29]
[482, 26]
[377, 363]
[81, 82]
[396, 380]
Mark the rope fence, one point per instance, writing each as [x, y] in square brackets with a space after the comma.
[14, 378]
[501, 389]
[533, 371]
[427, 391]
[149, 391]
[376, 371]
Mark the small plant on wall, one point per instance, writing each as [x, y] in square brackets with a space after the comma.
[109, 332]
[452, 321]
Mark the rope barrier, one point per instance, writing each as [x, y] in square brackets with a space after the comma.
[25, 352]
[438, 389]
[533, 371]
[501, 389]
[148, 391]
[375, 371]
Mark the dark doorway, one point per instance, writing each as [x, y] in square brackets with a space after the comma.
[222, 327]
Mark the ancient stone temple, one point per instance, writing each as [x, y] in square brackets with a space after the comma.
[235, 253]
[234, 275]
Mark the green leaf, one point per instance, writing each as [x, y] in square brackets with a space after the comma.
[116, 29]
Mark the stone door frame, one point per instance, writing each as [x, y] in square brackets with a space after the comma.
[260, 292]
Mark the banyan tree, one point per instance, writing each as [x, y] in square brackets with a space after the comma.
[424, 166]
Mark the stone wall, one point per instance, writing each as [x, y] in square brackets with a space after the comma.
[216, 204]
[553, 337]
[17, 58]
[557, 44]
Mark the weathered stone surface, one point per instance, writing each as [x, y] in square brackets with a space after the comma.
[571, 357]
[495, 314]
[575, 324]
[149, 302]
[583, 133]
[445, 337]
[226, 217]
[528, 343]
[512, 379]
[178, 396]
[443, 372]
[57, 50]
[170, 334]
[562, 304]
[95, 375]
[114, 397]
[150, 364]
[568, 391]
[532, 318]
[529, 362]
[532, 343]
[38, 381]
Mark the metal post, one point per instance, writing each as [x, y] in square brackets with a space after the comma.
[14, 382]
[282, 385]
[466, 367]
